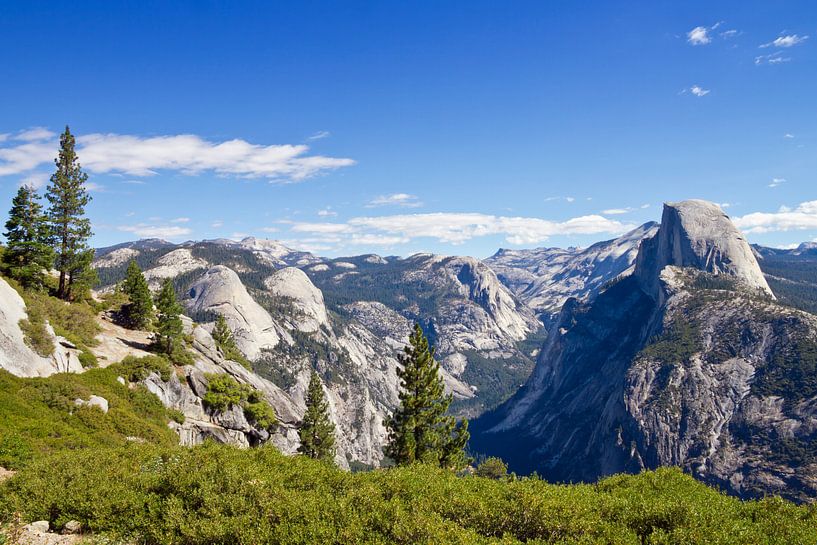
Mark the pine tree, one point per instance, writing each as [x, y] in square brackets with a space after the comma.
[223, 335]
[28, 254]
[138, 313]
[168, 321]
[316, 430]
[419, 430]
[71, 230]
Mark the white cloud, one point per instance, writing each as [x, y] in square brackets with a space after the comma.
[453, 228]
[728, 34]
[698, 91]
[217, 224]
[134, 182]
[772, 58]
[395, 199]
[803, 216]
[33, 134]
[186, 153]
[180, 220]
[327, 212]
[786, 41]
[788, 135]
[36, 180]
[320, 135]
[270, 229]
[777, 181]
[570, 199]
[616, 211]
[699, 36]
[95, 188]
[143, 230]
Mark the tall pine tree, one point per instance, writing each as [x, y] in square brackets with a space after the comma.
[138, 313]
[70, 228]
[419, 430]
[316, 430]
[28, 254]
[169, 327]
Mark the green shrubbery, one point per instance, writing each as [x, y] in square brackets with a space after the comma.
[223, 391]
[136, 369]
[219, 494]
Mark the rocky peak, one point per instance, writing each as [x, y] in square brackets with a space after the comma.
[698, 234]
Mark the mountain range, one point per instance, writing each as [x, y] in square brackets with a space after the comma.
[669, 345]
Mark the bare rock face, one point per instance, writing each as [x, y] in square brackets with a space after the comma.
[544, 278]
[698, 234]
[220, 291]
[689, 361]
[295, 285]
[15, 355]
[172, 265]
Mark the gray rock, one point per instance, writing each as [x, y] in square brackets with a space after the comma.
[72, 527]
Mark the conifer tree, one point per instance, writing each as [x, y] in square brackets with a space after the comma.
[169, 327]
[28, 254]
[316, 430]
[223, 335]
[138, 313]
[419, 430]
[70, 228]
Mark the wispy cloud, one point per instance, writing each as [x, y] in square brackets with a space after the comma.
[320, 135]
[144, 230]
[395, 199]
[803, 216]
[327, 212]
[698, 91]
[699, 36]
[217, 224]
[772, 58]
[785, 41]
[777, 182]
[453, 228]
[180, 220]
[788, 135]
[188, 154]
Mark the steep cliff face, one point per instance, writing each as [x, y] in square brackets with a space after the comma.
[689, 361]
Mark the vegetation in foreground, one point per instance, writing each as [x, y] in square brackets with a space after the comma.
[219, 494]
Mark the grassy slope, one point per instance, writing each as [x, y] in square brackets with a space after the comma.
[38, 415]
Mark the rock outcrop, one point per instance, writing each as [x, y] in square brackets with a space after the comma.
[15, 355]
[220, 291]
[688, 361]
[293, 284]
[698, 234]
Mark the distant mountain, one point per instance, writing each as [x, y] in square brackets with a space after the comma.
[689, 361]
[792, 274]
[348, 318]
[544, 278]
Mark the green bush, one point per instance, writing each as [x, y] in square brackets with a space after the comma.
[492, 468]
[223, 391]
[88, 360]
[136, 369]
[218, 494]
[36, 335]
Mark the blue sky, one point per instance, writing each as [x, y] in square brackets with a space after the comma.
[397, 127]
